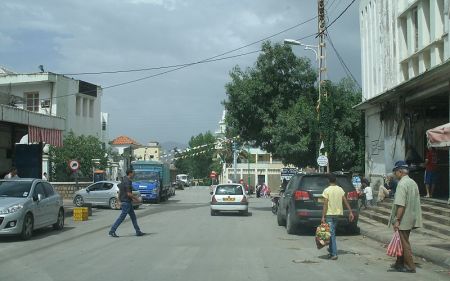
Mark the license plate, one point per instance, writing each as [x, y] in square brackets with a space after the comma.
[229, 199]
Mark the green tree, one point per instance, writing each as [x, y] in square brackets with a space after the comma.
[81, 148]
[274, 105]
[198, 160]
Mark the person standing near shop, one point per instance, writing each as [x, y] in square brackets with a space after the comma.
[430, 171]
[334, 196]
[406, 215]
[126, 198]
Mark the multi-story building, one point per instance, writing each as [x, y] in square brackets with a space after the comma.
[405, 76]
[151, 151]
[37, 109]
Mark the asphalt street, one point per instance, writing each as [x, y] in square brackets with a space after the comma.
[185, 243]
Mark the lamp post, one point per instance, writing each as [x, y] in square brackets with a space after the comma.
[317, 50]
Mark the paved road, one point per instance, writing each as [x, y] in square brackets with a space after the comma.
[186, 243]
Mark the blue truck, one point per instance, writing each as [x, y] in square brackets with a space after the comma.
[152, 179]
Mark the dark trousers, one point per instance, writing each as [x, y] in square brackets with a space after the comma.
[127, 209]
[407, 259]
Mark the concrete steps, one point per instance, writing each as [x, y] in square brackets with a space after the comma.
[436, 217]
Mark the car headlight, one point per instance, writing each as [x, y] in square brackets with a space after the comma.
[11, 209]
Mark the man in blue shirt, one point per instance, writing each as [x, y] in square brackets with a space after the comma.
[126, 198]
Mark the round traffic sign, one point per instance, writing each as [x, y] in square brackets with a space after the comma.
[322, 160]
[213, 174]
[74, 165]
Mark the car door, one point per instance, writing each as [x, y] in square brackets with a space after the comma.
[287, 195]
[106, 193]
[40, 208]
[94, 194]
[53, 202]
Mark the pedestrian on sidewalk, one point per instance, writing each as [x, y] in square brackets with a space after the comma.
[12, 173]
[44, 176]
[406, 215]
[333, 196]
[126, 198]
[369, 196]
[430, 171]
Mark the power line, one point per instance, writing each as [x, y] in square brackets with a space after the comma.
[192, 63]
[341, 60]
[340, 15]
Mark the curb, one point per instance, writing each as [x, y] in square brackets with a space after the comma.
[429, 253]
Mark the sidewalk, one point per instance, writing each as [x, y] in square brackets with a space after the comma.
[433, 249]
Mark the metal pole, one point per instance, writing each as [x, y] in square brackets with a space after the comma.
[235, 161]
[248, 166]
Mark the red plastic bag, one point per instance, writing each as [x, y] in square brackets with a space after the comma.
[395, 248]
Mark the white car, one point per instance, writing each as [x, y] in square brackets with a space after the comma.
[102, 193]
[229, 197]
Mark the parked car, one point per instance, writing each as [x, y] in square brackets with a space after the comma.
[29, 204]
[229, 197]
[301, 203]
[102, 193]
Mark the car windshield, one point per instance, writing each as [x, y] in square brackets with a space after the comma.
[229, 190]
[146, 176]
[14, 189]
[319, 183]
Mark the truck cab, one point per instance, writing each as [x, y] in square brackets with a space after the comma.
[151, 179]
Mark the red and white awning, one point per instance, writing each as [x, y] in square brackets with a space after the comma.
[439, 136]
[51, 136]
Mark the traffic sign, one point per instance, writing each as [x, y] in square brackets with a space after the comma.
[74, 165]
[322, 160]
[213, 174]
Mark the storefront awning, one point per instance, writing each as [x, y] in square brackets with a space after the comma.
[50, 136]
[439, 136]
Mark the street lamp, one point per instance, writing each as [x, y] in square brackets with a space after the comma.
[316, 50]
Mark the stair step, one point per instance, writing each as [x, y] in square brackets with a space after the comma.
[420, 230]
[439, 210]
[427, 225]
[427, 216]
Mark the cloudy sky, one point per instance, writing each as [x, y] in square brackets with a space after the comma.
[69, 36]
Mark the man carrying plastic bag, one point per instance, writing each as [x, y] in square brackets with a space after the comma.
[406, 215]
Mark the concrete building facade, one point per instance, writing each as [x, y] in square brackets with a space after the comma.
[405, 54]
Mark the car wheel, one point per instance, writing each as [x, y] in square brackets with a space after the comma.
[78, 201]
[290, 225]
[280, 220]
[113, 203]
[213, 213]
[59, 225]
[27, 228]
[244, 213]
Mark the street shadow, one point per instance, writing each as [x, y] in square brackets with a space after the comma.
[233, 214]
[340, 253]
[147, 234]
[262, 208]
[38, 234]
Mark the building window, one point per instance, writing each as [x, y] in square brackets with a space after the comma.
[91, 108]
[78, 106]
[32, 101]
[103, 126]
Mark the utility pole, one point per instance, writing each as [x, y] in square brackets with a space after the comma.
[235, 161]
[322, 50]
[322, 59]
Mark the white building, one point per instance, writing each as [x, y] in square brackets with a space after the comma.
[78, 102]
[405, 74]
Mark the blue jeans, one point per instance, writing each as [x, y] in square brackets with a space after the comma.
[127, 208]
[332, 247]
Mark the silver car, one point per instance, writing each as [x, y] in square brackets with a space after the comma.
[29, 204]
[102, 193]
